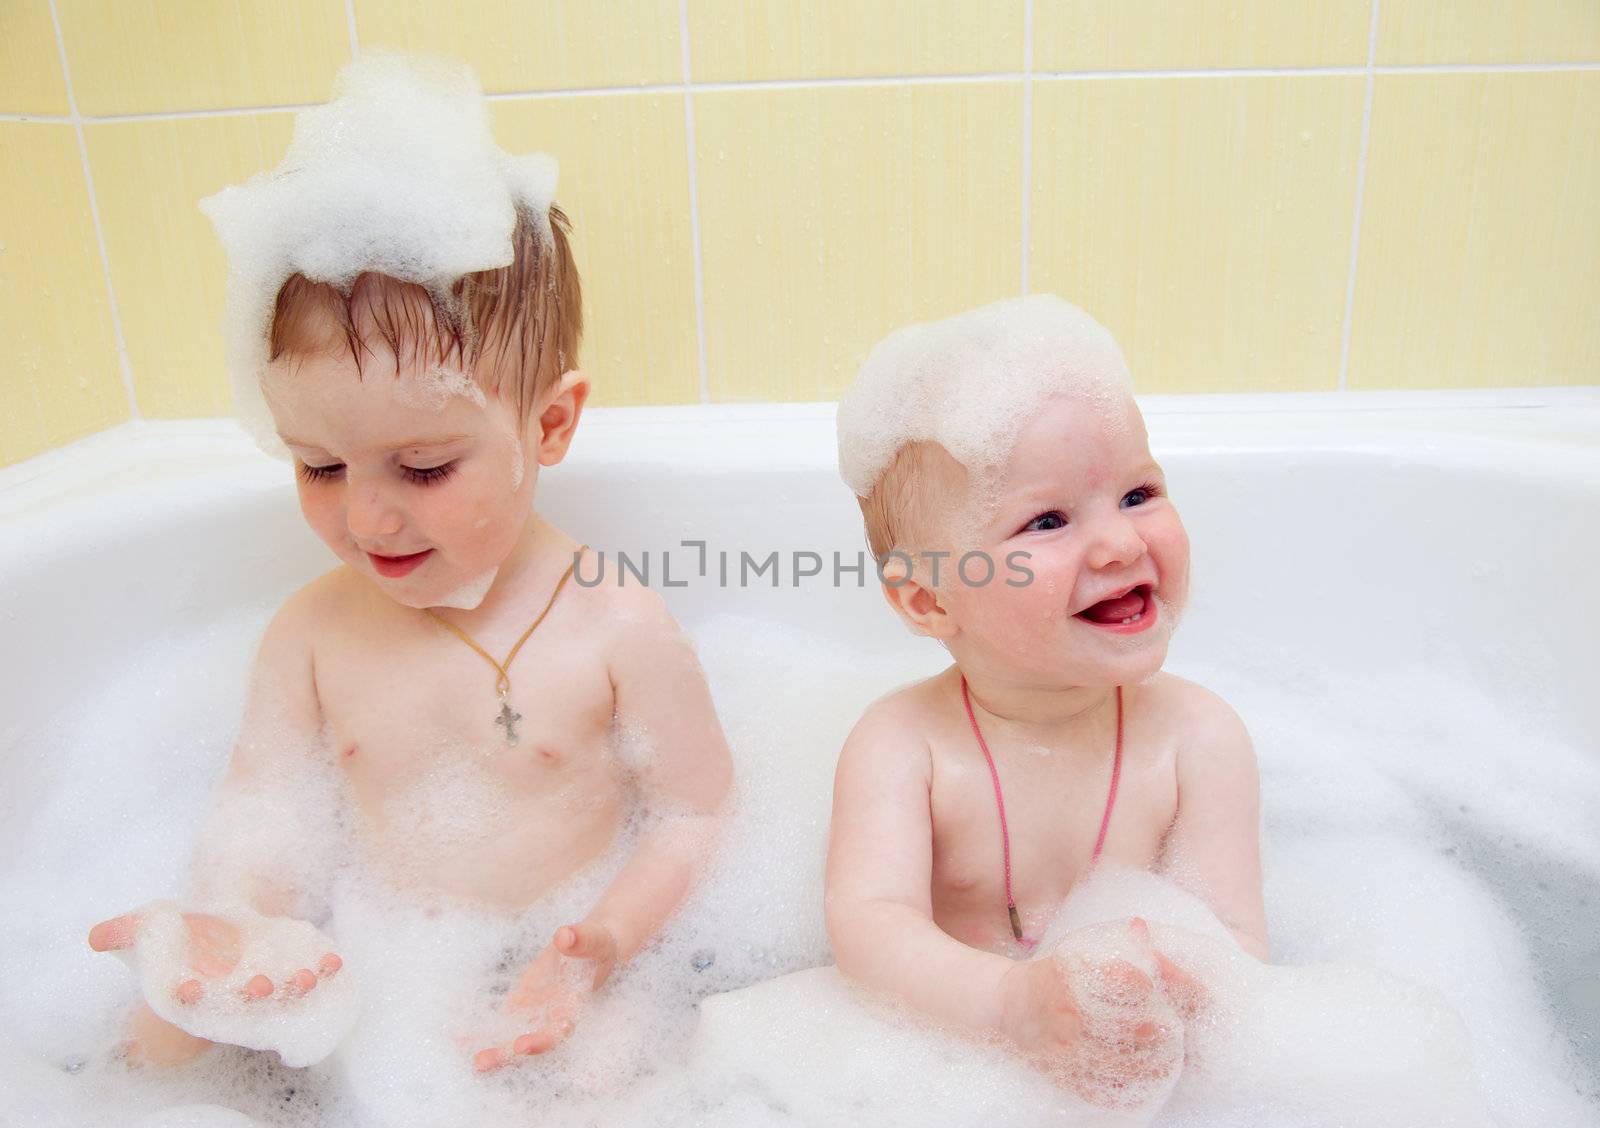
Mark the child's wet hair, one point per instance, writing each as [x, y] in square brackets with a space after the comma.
[902, 510]
[514, 329]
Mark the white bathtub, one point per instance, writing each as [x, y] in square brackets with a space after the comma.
[1368, 557]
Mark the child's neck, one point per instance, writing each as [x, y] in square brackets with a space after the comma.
[525, 576]
[1041, 712]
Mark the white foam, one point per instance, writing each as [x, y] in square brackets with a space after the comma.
[302, 1030]
[471, 593]
[971, 382]
[1369, 919]
[400, 175]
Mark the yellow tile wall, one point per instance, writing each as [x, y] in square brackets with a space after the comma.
[59, 375]
[835, 181]
[1101, 35]
[740, 41]
[1205, 221]
[30, 66]
[536, 44]
[631, 234]
[167, 268]
[1480, 244]
[144, 56]
[862, 208]
[1488, 31]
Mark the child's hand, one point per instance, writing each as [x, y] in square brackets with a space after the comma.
[214, 944]
[1113, 1045]
[212, 949]
[552, 992]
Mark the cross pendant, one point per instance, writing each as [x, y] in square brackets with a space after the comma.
[508, 719]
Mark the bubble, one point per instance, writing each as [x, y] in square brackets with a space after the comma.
[398, 175]
[971, 382]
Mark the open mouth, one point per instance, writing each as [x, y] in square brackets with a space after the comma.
[396, 566]
[1125, 614]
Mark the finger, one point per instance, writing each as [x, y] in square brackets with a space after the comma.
[541, 1041]
[190, 991]
[1141, 930]
[259, 987]
[485, 1060]
[115, 934]
[330, 965]
[1120, 983]
[1188, 994]
[300, 982]
[584, 941]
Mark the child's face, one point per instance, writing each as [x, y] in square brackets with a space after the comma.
[423, 489]
[1082, 496]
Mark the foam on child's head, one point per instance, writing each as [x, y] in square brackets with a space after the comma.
[971, 382]
[398, 175]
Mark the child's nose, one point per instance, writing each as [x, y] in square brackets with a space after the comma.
[369, 514]
[1115, 541]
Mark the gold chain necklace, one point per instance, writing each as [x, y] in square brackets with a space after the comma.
[502, 683]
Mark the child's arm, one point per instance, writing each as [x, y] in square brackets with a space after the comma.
[240, 858]
[1214, 847]
[879, 905]
[665, 715]
[879, 883]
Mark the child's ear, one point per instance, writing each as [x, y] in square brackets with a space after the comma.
[915, 602]
[558, 418]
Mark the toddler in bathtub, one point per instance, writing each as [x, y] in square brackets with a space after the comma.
[1008, 489]
[404, 297]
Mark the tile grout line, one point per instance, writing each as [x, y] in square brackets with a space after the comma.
[1027, 76]
[1027, 138]
[694, 201]
[1361, 190]
[350, 26]
[94, 214]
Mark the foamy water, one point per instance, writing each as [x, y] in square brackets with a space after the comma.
[1398, 817]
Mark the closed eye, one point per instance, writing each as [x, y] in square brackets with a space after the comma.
[309, 473]
[430, 476]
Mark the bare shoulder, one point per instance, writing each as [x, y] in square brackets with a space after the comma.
[1209, 731]
[294, 625]
[892, 735]
[618, 603]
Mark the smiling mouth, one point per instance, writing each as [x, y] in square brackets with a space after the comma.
[1123, 611]
[394, 567]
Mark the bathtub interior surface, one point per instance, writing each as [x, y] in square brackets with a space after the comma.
[1376, 570]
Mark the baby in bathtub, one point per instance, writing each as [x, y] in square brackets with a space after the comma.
[1009, 492]
[417, 350]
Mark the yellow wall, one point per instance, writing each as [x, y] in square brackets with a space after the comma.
[1253, 195]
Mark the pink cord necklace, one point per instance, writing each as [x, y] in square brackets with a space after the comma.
[1000, 802]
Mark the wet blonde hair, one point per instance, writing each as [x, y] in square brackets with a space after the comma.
[921, 485]
[515, 329]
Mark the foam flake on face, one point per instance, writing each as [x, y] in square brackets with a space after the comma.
[433, 389]
[470, 594]
[970, 383]
[399, 175]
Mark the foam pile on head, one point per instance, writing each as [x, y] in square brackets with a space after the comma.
[969, 384]
[399, 175]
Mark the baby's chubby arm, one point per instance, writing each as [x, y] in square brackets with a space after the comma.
[672, 738]
[1214, 847]
[880, 877]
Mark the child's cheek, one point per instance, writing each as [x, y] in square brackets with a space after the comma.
[321, 510]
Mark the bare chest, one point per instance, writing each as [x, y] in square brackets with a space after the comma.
[411, 701]
[1056, 808]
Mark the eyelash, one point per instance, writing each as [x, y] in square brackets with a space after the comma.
[1149, 489]
[431, 476]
